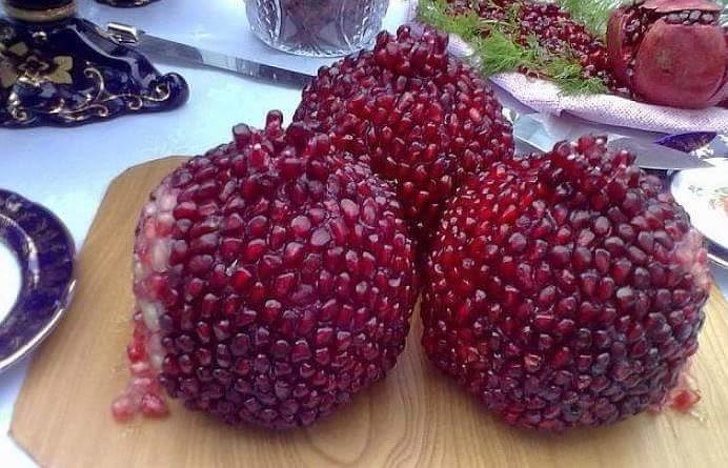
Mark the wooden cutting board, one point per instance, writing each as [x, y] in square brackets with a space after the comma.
[413, 418]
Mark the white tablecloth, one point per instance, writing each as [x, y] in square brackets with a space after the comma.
[68, 170]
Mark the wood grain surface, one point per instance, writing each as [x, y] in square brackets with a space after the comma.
[414, 418]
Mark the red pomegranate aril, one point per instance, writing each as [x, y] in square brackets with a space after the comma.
[136, 351]
[153, 406]
[123, 409]
[684, 400]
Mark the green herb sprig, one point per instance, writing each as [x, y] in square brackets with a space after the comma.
[594, 14]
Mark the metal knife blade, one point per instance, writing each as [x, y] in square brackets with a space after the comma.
[531, 130]
[653, 156]
[160, 48]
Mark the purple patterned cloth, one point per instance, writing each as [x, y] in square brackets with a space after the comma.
[544, 96]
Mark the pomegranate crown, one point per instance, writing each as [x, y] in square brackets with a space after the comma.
[414, 50]
[581, 168]
[289, 153]
[672, 6]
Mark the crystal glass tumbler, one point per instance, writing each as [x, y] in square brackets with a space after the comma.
[320, 28]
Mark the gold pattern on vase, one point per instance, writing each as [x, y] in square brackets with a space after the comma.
[96, 102]
[19, 64]
[68, 73]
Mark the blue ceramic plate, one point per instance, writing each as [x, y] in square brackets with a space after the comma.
[44, 251]
[704, 195]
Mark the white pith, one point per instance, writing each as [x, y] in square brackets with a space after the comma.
[152, 256]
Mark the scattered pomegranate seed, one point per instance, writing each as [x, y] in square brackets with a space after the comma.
[122, 409]
[153, 406]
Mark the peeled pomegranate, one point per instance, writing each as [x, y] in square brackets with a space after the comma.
[274, 280]
[424, 120]
[566, 289]
[670, 52]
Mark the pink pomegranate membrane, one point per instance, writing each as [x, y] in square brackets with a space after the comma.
[151, 261]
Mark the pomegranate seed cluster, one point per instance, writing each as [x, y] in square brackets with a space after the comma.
[420, 118]
[565, 289]
[274, 279]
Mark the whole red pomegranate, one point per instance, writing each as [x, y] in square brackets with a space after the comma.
[565, 289]
[273, 278]
[670, 52]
